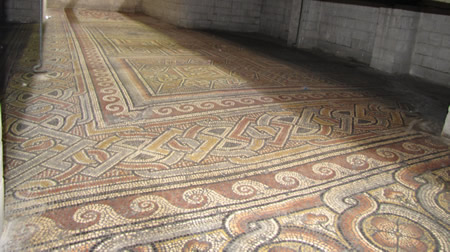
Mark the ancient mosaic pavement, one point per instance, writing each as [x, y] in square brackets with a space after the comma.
[146, 137]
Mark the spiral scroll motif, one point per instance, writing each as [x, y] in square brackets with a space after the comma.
[389, 154]
[84, 215]
[415, 148]
[358, 162]
[196, 196]
[324, 169]
[247, 188]
[144, 204]
[289, 179]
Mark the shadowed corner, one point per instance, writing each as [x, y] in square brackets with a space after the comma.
[2, 12]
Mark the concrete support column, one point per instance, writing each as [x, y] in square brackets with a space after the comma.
[394, 40]
[294, 22]
[309, 24]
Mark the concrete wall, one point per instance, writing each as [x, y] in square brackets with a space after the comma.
[341, 29]
[265, 16]
[309, 22]
[387, 39]
[395, 38]
[231, 15]
[348, 30]
[21, 11]
[27, 11]
[110, 5]
[171, 11]
[275, 18]
[431, 56]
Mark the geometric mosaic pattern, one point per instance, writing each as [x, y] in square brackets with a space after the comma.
[146, 137]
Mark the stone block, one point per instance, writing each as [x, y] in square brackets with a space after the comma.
[365, 26]
[222, 18]
[346, 23]
[401, 47]
[360, 35]
[422, 37]
[417, 59]
[381, 64]
[428, 62]
[357, 43]
[417, 70]
[310, 26]
[427, 23]
[23, 4]
[9, 5]
[307, 41]
[436, 23]
[222, 11]
[435, 39]
[408, 22]
[424, 49]
[430, 74]
[399, 34]
[440, 18]
[389, 44]
[442, 65]
[35, 5]
[254, 12]
[344, 39]
[223, 4]
[443, 53]
[22, 16]
[444, 28]
[366, 14]
[202, 24]
[327, 35]
[446, 41]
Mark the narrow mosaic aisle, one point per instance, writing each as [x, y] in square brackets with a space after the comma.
[146, 137]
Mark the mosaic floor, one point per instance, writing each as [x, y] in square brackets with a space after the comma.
[145, 137]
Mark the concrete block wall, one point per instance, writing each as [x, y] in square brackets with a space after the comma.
[348, 30]
[171, 11]
[265, 16]
[388, 39]
[231, 15]
[391, 40]
[308, 32]
[394, 42]
[21, 11]
[109, 5]
[236, 15]
[275, 18]
[431, 55]
[343, 29]
[27, 11]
